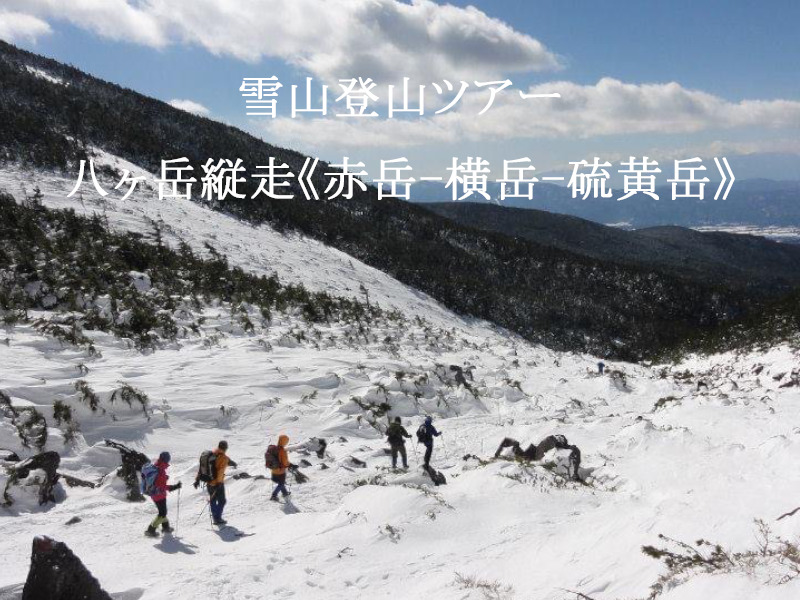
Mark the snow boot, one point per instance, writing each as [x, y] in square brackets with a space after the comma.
[166, 527]
[220, 522]
[273, 498]
[151, 532]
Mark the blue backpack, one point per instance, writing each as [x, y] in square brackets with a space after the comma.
[149, 474]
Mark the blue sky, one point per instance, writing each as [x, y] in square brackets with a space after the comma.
[719, 53]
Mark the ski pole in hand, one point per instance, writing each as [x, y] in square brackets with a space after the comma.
[205, 506]
[178, 516]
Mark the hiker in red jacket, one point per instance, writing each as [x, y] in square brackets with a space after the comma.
[159, 496]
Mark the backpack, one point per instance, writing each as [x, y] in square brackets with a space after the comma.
[208, 467]
[149, 474]
[394, 435]
[271, 458]
[423, 436]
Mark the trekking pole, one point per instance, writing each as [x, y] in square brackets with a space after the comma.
[205, 506]
[202, 511]
[178, 516]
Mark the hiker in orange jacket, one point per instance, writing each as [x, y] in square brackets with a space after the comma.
[279, 473]
[216, 487]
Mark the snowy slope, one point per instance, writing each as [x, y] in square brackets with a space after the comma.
[261, 250]
[704, 464]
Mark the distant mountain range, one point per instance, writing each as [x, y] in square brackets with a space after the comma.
[760, 202]
[770, 166]
[683, 251]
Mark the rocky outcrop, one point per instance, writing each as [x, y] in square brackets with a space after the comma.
[8, 455]
[57, 574]
[132, 463]
[39, 472]
[30, 424]
[570, 462]
[437, 477]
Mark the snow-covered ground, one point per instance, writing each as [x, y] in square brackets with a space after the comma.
[259, 249]
[787, 234]
[776, 233]
[691, 451]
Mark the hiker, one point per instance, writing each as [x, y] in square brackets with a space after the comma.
[533, 452]
[396, 435]
[158, 492]
[425, 435]
[281, 464]
[216, 487]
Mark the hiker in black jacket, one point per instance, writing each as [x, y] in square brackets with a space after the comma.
[396, 435]
[425, 435]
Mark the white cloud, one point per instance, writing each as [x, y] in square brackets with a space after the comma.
[610, 107]
[333, 39]
[718, 148]
[613, 107]
[321, 133]
[16, 27]
[389, 39]
[781, 146]
[114, 19]
[190, 106]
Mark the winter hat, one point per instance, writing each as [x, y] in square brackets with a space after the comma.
[397, 420]
[164, 457]
[429, 419]
[283, 440]
[223, 445]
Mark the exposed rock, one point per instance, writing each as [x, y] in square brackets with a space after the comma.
[132, 463]
[569, 463]
[57, 574]
[298, 476]
[30, 424]
[437, 477]
[73, 521]
[322, 446]
[44, 468]
[141, 281]
[76, 482]
[9, 456]
[458, 375]
[619, 380]
[11, 592]
[794, 380]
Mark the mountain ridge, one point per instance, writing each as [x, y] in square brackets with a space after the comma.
[750, 202]
[736, 257]
[548, 295]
